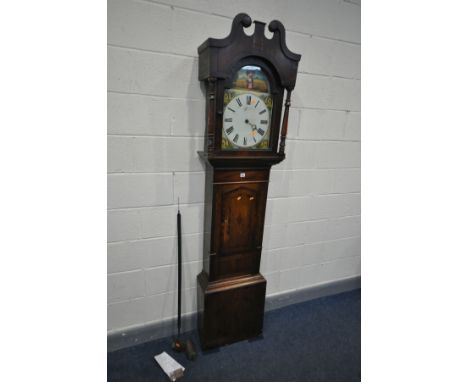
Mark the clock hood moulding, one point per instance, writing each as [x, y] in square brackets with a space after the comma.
[216, 56]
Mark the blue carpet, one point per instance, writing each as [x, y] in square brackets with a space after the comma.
[317, 341]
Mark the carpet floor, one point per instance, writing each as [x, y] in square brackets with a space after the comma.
[318, 340]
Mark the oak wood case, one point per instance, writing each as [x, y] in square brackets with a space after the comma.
[231, 291]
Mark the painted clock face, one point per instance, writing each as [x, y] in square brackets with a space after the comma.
[246, 120]
[248, 107]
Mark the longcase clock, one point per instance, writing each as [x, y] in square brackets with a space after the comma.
[247, 79]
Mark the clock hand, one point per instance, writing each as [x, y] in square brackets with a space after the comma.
[254, 127]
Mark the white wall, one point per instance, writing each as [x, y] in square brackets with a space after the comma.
[156, 125]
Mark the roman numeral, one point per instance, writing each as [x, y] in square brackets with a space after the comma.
[228, 120]
[229, 131]
[257, 103]
[236, 138]
[263, 111]
[245, 141]
[231, 110]
[260, 131]
[249, 99]
[239, 102]
[264, 121]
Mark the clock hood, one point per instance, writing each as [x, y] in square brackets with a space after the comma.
[217, 56]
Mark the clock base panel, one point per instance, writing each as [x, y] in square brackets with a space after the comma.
[231, 310]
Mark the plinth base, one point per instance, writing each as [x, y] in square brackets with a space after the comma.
[230, 310]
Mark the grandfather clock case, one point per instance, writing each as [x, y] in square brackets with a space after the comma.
[247, 79]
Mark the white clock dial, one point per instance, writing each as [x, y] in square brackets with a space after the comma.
[246, 120]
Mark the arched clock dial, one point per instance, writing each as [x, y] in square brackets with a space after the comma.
[246, 120]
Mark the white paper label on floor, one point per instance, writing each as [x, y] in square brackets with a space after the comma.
[171, 367]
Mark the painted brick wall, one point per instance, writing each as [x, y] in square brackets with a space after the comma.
[156, 125]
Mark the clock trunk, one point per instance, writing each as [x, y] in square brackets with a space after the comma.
[231, 291]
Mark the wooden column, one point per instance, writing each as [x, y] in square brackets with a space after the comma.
[284, 127]
[210, 113]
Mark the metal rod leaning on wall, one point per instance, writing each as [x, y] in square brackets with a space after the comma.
[179, 270]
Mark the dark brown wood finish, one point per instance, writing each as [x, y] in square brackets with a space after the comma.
[232, 310]
[231, 291]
